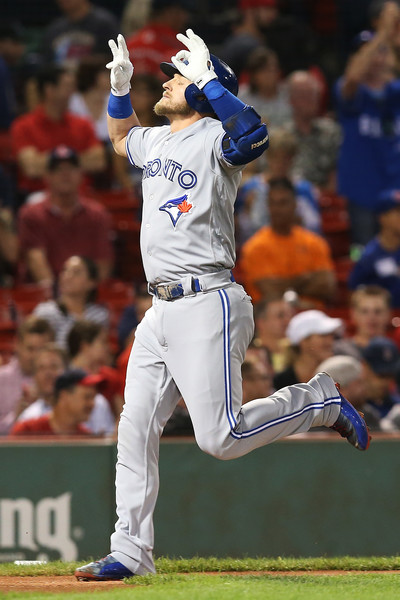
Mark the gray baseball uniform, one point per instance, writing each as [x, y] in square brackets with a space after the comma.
[193, 339]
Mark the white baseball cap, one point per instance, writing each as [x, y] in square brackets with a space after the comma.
[310, 322]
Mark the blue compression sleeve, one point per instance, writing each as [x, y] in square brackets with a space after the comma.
[119, 107]
[224, 103]
[246, 136]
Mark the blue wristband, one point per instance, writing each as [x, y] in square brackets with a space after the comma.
[119, 107]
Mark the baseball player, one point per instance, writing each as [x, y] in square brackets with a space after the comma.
[193, 339]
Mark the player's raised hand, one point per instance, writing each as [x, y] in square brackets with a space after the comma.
[121, 67]
[194, 63]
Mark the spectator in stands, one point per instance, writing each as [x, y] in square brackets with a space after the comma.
[88, 349]
[64, 223]
[74, 395]
[19, 63]
[38, 398]
[257, 375]
[76, 299]
[50, 124]
[145, 92]
[271, 319]
[254, 192]
[370, 313]
[156, 42]
[264, 89]
[382, 360]
[32, 334]
[11, 51]
[135, 15]
[90, 99]
[349, 373]
[375, 15]
[83, 29]
[132, 315]
[285, 256]
[259, 22]
[311, 335]
[380, 259]
[368, 102]
[318, 137]
[277, 29]
[246, 34]
[9, 248]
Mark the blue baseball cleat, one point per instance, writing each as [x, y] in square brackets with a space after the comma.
[351, 425]
[105, 569]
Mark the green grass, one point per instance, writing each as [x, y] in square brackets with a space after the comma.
[230, 587]
[199, 565]
[184, 579]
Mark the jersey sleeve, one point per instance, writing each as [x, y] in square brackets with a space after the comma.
[138, 141]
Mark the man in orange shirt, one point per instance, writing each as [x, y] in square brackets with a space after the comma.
[285, 256]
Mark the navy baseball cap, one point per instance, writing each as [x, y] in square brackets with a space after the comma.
[387, 200]
[61, 154]
[73, 377]
[382, 355]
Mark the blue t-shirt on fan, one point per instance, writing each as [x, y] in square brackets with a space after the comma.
[378, 266]
[369, 158]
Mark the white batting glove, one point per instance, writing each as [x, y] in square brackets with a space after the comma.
[121, 67]
[194, 64]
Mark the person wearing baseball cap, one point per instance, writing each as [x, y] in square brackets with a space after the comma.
[74, 400]
[379, 263]
[62, 154]
[311, 336]
[382, 366]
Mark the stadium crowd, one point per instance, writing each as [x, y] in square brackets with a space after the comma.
[317, 216]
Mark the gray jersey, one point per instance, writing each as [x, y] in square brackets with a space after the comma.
[189, 192]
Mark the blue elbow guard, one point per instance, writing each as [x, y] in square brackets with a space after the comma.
[242, 122]
[247, 147]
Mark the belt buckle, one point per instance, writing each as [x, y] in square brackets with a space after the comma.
[169, 292]
[162, 292]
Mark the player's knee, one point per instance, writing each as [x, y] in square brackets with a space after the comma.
[215, 447]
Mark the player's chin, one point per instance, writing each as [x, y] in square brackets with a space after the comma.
[164, 108]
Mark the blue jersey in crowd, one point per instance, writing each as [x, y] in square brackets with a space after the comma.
[378, 266]
[369, 158]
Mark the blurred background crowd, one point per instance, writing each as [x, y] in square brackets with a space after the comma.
[317, 216]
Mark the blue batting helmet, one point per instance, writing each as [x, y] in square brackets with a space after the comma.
[194, 96]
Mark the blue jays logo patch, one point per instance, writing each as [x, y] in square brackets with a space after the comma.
[176, 208]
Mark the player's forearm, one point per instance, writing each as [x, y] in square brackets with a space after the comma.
[358, 66]
[120, 119]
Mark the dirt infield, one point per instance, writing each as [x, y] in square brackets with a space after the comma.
[68, 583]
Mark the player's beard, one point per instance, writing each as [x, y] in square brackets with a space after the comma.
[165, 107]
